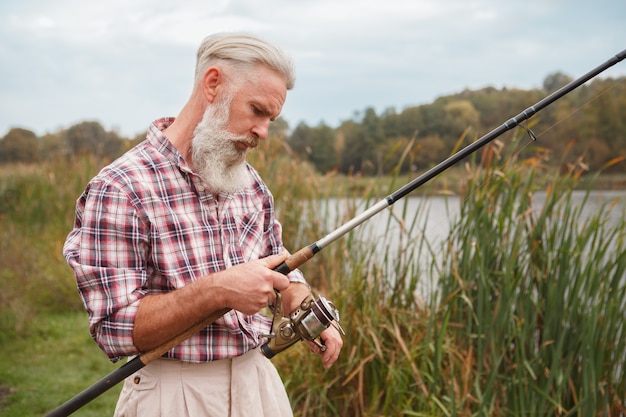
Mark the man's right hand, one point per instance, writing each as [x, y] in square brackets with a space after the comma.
[250, 287]
[247, 288]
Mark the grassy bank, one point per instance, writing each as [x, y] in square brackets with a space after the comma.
[527, 314]
[51, 362]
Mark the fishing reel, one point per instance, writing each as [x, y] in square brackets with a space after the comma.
[307, 322]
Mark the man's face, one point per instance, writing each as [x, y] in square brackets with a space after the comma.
[233, 124]
[255, 104]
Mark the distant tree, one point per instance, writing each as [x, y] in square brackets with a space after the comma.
[323, 148]
[391, 123]
[86, 138]
[91, 138]
[20, 145]
[425, 119]
[373, 135]
[486, 101]
[603, 123]
[361, 153]
[555, 81]
[300, 140]
[560, 135]
[315, 144]
[393, 156]
[431, 150]
[458, 115]
[597, 153]
[351, 157]
[54, 146]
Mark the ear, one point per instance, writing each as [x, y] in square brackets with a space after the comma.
[212, 78]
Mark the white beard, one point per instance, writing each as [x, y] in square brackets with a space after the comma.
[219, 163]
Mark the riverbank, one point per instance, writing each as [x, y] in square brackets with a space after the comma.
[452, 181]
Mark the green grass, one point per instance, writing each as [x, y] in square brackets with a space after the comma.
[53, 360]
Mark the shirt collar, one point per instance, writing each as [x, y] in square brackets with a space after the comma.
[164, 146]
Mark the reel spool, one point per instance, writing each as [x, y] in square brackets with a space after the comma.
[307, 322]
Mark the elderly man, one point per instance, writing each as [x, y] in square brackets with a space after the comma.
[180, 227]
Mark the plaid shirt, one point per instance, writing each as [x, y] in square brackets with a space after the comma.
[146, 224]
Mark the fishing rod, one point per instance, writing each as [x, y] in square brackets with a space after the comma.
[316, 315]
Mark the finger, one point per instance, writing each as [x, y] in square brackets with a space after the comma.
[280, 282]
[334, 343]
[330, 356]
[314, 348]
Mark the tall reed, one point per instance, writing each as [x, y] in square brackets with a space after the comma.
[526, 317]
[538, 292]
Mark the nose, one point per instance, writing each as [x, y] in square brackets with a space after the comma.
[261, 129]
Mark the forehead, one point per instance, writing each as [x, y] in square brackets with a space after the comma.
[265, 87]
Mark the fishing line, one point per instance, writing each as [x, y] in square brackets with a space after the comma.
[579, 108]
[534, 137]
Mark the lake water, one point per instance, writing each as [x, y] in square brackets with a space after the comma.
[433, 216]
[436, 213]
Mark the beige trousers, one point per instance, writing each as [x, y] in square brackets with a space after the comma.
[248, 385]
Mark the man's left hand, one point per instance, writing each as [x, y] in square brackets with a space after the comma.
[333, 342]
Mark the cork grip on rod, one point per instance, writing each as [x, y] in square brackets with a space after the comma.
[295, 260]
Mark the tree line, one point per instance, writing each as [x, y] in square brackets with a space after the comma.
[590, 121]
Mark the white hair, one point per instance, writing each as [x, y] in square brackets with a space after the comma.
[241, 51]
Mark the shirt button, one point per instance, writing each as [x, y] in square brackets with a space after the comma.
[201, 188]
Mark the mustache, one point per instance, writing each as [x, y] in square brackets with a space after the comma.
[248, 141]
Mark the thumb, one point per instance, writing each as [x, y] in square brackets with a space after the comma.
[280, 281]
[273, 261]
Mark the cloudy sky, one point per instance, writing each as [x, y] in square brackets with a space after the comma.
[126, 63]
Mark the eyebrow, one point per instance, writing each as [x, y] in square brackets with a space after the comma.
[264, 110]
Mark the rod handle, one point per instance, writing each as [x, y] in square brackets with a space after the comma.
[295, 260]
[285, 267]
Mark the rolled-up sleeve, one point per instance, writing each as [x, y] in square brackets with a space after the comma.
[108, 249]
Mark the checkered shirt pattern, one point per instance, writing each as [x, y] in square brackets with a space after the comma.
[146, 224]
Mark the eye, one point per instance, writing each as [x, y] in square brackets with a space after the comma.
[262, 112]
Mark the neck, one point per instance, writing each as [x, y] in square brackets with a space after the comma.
[180, 132]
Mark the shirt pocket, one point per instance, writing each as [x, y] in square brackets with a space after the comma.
[250, 236]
